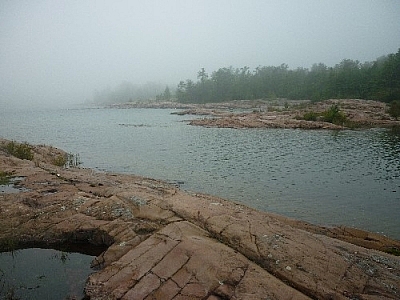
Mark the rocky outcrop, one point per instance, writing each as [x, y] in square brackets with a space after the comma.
[262, 120]
[359, 113]
[277, 113]
[164, 243]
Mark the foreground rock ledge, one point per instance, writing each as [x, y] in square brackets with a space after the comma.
[164, 243]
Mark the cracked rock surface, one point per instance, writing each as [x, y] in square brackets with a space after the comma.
[164, 243]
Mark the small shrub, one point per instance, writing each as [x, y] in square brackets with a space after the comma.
[22, 151]
[394, 109]
[4, 178]
[334, 115]
[69, 160]
[395, 129]
[394, 251]
[60, 161]
[310, 116]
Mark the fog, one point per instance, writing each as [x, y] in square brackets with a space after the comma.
[58, 53]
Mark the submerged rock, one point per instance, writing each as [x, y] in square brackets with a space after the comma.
[163, 243]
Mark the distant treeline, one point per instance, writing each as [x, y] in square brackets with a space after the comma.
[378, 80]
[128, 92]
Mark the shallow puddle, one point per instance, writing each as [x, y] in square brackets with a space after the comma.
[12, 186]
[36, 273]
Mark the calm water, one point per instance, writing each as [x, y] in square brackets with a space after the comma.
[43, 274]
[324, 177]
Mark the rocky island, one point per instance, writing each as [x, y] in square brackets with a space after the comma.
[356, 113]
[164, 243]
[280, 113]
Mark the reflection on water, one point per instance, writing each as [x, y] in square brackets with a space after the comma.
[43, 274]
[324, 177]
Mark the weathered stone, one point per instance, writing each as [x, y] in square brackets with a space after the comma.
[168, 290]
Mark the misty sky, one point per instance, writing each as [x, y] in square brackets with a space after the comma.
[54, 52]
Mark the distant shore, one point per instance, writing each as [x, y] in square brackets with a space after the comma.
[279, 113]
[163, 242]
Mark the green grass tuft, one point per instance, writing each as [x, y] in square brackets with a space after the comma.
[4, 178]
[22, 151]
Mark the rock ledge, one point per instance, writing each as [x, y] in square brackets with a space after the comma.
[163, 243]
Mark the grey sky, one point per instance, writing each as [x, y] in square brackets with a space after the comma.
[61, 51]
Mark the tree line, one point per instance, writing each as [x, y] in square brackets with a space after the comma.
[128, 92]
[377, 80]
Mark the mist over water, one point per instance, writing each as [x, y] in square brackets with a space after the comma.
[58, 53]
[324, 177]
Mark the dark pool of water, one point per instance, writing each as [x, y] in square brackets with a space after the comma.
[36, 273]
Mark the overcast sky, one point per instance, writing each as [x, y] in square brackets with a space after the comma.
[61, 51]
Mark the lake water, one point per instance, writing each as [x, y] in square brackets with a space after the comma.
[324, 177]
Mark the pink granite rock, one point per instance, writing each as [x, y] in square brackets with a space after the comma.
[163, 243]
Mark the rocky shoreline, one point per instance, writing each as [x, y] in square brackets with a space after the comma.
[164, 243]
[358, 113]
[278, 113]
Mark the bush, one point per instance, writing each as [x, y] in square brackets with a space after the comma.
[310, 116]
[22, 151]
[394, 109]
[60, 161]
[334, 115]
[69, 160]
[4, 178]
